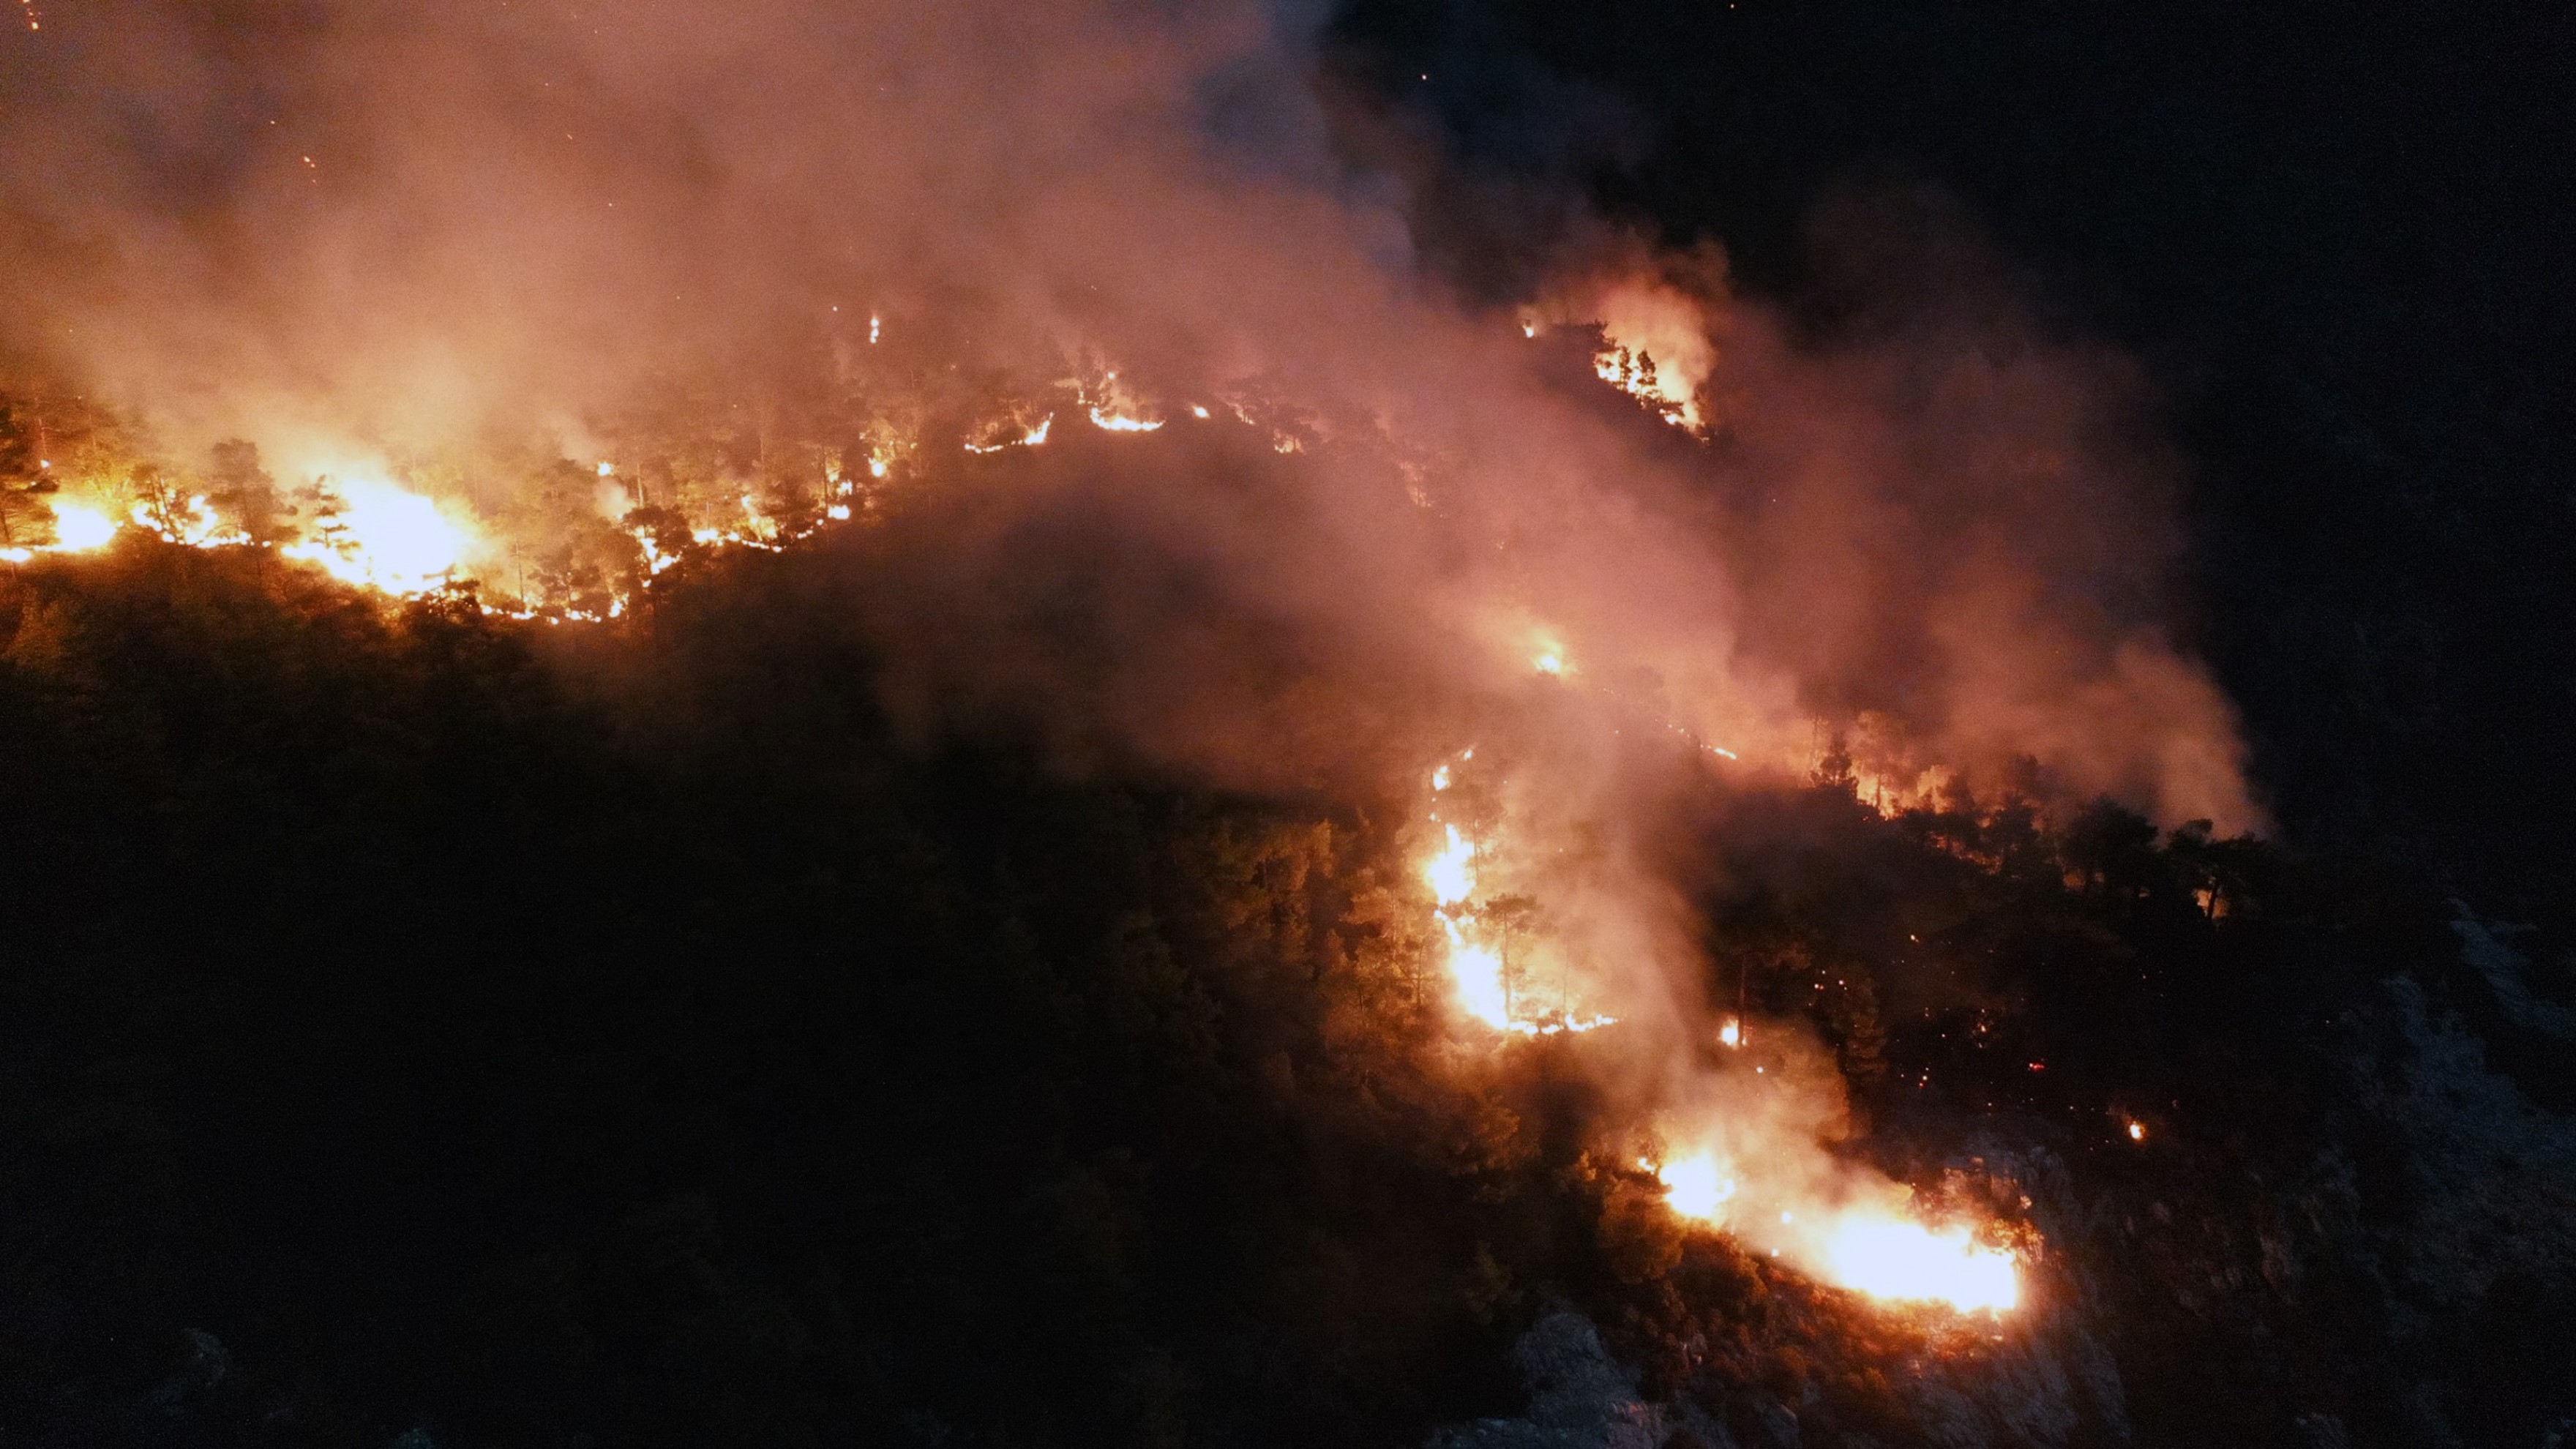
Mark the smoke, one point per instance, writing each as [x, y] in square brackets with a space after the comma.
[1374, 524]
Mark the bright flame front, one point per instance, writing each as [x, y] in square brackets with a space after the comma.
[1891, 1258]
[387, 538]
[1697, 1186]
[78, 527]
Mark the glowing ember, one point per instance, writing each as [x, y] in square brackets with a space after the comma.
[386, 538]
[78, 527]
[1731, 1034]
[1887, 1258]
[2137, 1131]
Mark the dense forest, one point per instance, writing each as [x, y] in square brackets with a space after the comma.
[429, 1027]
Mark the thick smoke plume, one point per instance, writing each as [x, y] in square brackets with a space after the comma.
[1373, 526]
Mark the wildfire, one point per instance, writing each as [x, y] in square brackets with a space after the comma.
[992, 442]
[1891, 1258]
[1867, 1250]
[1121, 423]
[79, 527]
[1480, 970]
[1695, 1186]
[1113, 410]
[1451, 873]
[383, 537]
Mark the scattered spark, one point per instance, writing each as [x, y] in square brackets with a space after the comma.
[1731, 1034]
[2137, 1132]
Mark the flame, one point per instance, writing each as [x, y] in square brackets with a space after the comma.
[193, 523]
[1113, 409]
[1121, 423]
[79, 527]
[1476, 966]
[1451, 875]
[1867, 1250]
[1697, 1186]
[1892, 1258]
[388, 539]
[1656, 348]
[1478, 975]
[1029, 439]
